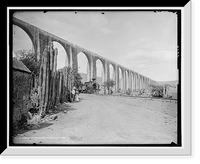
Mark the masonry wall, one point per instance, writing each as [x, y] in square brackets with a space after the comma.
[21, 91]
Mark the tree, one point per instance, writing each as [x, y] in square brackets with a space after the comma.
[109, 85]
[29, 59]
[74, 78]
[156, 90]
[77, 78]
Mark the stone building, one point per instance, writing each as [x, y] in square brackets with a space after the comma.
[21, 84]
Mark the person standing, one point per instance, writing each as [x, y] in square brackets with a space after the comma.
[77, 96]
[73, 92]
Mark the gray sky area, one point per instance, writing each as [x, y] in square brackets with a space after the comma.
[145, 42]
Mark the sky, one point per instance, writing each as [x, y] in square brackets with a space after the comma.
[145, 42]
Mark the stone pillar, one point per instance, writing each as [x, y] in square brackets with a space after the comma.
[88, 71]
[116, 78]
[133, 82]
[105, 71]
[139, 82]
[146, 82]
[36, 44]
[74, 58]
[130, 80]
[123, 79]
[93, 67]
[135, 77]
[69, 50]
[126, 80]
[68, 56]
[142, 82]
[108, 71]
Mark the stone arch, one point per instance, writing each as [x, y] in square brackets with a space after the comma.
[100, 73]
[27, 32]
[111, 71]
[126, 80]
[85, 62]
[132, 81]
[136, 82]
[62, 57]
[139, 82]
[66, 48]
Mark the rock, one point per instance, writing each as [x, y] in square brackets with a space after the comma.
[55, 117]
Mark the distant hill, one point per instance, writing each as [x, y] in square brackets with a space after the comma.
[172, 83]
[84, 78]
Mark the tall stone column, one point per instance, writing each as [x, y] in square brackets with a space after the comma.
[142, 82]
[36, 44]
[130, 80]
[136, 82]
[74, 58]
[108, 71]
[126, 80]
[138, 78]
[105, 74]
[123, 80]
[89, 67]
[71, 57]
[93, 67]
[116, 78]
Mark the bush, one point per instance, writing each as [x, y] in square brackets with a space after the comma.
[109, 84]
[156, 90]
[128, 92]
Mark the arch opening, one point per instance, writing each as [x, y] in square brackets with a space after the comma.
[126, 80]
[100, 74]
[120, 79]
[132, 82]
[22, 42]
[84, 67]
[111, 72]
[62, 55]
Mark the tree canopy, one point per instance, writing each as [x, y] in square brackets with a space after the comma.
[29, 59]
[109, 84]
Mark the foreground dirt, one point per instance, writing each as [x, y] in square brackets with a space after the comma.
[98, 119]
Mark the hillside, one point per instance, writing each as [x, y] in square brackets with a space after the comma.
[84, 78]
[172, 83]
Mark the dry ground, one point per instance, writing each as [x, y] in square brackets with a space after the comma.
[98, 119]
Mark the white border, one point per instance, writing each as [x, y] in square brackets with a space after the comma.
[123, 151]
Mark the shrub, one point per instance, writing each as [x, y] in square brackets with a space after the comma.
[128, 92]
[156, 90]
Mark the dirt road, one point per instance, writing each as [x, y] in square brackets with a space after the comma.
[98, 119]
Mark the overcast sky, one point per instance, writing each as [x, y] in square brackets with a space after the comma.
[145, 42]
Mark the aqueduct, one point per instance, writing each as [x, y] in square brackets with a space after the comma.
[129, 78]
